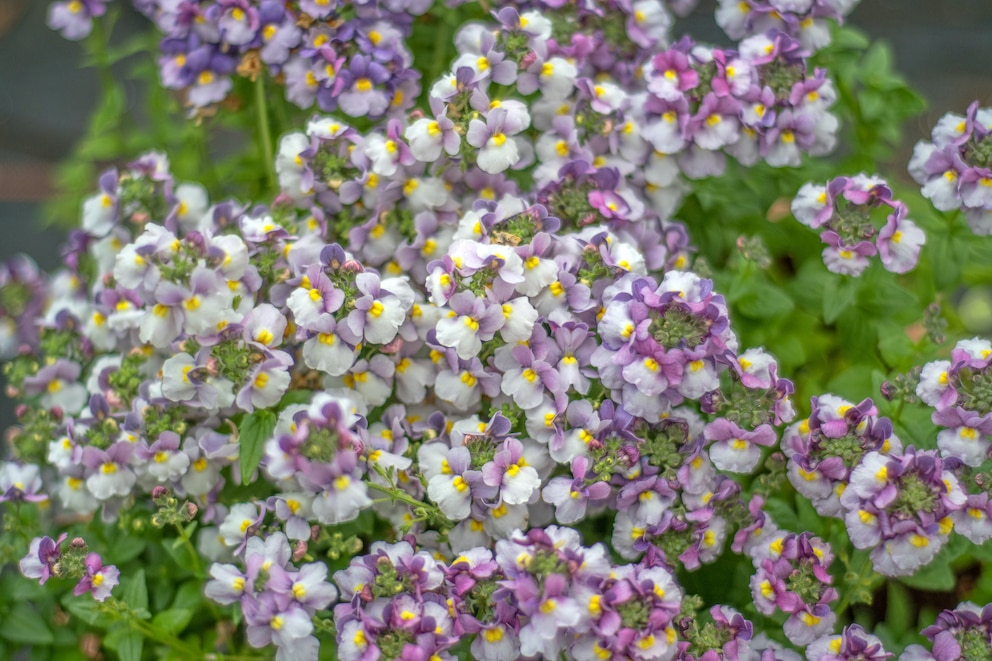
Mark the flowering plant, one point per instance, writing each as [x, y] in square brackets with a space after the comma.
[506, 357]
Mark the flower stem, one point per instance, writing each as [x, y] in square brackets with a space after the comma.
[395, 493]
[265, 133]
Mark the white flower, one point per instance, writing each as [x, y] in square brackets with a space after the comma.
[241, 517]
[452, 494]
[193, 204]
[498, 154]
[383, 319]
[98, 214]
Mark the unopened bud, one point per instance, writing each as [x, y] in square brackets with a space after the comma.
[159, 492]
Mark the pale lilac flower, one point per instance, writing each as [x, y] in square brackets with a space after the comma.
[99, 579]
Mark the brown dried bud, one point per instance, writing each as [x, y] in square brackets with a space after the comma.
[250, 66]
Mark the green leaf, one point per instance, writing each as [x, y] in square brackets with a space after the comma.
[23, 625]
[838, 298]
[254, 430]
[173, 620]
[128, 644]
[887, 298]
[294, 397]
[86, 609]
[134, 592]
[189, 596]
[126, 548]
[935, 577]
[877, 62]
[764, 302]
[782, 514]
[895, 346]
[947, 256]
[850, 39]
[899, 608]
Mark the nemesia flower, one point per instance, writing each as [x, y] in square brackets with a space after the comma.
[99, 580]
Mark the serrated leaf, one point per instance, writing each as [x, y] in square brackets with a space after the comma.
[254, 430]
[23, 625]
[173, 620]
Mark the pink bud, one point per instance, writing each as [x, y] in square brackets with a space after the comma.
[528, 59]
[393, 346]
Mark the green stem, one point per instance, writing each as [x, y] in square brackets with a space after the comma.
[265, 133]
[194, 556]
[395, 493]
[97, 44]
[861, 583]
[197, 567]
[98, 40]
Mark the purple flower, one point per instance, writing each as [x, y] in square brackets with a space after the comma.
[42, 555]
[360, 83]
[74, 19]
[570, 497]
[20, 482]
[900, 507]
[99, 579]
[853, 644]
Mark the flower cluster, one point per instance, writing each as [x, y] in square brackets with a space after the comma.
[541, 593]
[46, 558]
[842, 211]
[852, 643]
[793, 576]
[962, 633]
[824, 448]
[759, 102]
[278, 599]
[344, 56]
[954, 166]
[469, 323]
[900, 503]
[962, 400]
[807, 21]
